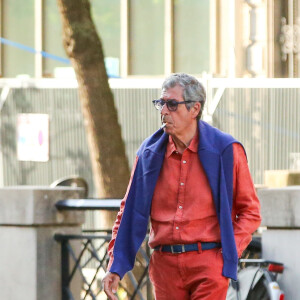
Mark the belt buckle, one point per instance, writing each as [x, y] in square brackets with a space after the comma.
[182, 249]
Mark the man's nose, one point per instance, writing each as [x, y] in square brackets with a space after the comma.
[164, 109]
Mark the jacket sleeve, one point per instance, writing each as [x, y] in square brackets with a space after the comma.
[246, 207]
[119, 218]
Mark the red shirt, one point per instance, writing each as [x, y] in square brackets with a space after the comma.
[183, 209]
[183, 199]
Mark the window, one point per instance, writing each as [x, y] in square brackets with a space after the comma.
[191, 36]
[146, 37]
[52, 37]
[18, 18]
[106, 16]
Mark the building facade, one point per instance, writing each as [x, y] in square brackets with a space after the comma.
[146, 38]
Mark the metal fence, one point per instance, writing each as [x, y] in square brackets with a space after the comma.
[67, 140]
[91, 262]
[262, 113]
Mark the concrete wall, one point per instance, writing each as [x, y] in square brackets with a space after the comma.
[30, 258]
[283, 246]
[280, 208]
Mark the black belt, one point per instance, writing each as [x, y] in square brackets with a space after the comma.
[187, 247]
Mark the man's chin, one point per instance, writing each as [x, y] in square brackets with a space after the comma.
[168, 130]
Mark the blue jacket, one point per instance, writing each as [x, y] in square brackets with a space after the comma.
[216, 155]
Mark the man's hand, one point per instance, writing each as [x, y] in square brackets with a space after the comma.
[110, 284]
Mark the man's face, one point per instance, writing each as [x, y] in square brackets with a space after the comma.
[181, 120]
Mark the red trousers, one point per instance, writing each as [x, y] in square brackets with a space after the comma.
[191, 275]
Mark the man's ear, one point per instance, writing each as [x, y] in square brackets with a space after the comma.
[196, 109]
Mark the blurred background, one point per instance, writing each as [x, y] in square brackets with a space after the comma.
[245, 52]
[143, 42]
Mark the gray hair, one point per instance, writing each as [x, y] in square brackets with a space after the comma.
[192, 89]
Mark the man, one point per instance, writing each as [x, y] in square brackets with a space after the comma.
[194, 183]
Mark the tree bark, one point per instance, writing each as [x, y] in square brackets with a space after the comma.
[106, 147]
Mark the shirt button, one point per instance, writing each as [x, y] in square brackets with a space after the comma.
[184, 161]
[177, 227]
[181, 183]
[180, 207]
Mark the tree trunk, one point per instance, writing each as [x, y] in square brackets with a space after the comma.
[107, 151]
[106, 147]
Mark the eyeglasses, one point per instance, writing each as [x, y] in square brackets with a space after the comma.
[172, 104]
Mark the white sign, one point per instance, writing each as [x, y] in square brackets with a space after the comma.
[33, 137]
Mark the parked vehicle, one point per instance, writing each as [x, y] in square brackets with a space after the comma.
[257, 278]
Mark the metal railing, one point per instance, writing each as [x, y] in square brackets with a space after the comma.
[90, 263]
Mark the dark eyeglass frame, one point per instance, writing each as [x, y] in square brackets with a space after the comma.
[172, 104]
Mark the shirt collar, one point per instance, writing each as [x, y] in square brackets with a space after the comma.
[171, 148]
[194, 143]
